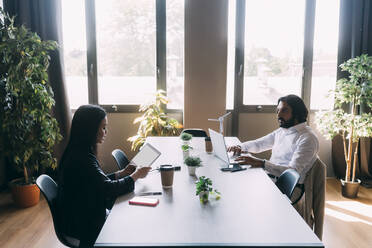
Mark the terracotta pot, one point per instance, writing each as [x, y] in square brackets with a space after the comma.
[24, 195]
[350, 189]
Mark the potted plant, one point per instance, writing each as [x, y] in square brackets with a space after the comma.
[354, 91]
[28, 131]
[154, 121]
[192, 163]
[186, 150]
[186, 138]
[204, 188]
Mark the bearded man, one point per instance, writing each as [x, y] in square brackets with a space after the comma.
[294, 144]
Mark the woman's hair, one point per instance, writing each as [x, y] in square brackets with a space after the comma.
[299, 110]
[84, 128]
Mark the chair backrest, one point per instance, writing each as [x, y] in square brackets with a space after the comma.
[121, 159]
[49, 188]
[196, 132]
[287, 182]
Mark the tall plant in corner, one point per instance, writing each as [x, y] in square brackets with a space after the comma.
[154, 121]
[354, 91]
[28, 131]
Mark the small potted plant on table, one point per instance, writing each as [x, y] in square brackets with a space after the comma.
[186, 138]
[186, 150]
[192, 163]
[204, 187]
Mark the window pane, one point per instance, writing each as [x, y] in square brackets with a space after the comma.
[274, 32]
[325, 53]
[126, 48]
[175, 52]
[75, 52]
[231, 56]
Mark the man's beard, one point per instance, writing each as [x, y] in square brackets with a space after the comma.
[286, 124]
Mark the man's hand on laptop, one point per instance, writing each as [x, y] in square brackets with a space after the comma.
[237, 150]
[251, 160]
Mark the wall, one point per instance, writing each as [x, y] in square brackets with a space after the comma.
[205, 62]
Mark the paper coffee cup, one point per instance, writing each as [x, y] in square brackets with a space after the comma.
[166, 173]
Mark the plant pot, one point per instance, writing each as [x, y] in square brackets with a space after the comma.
[350, 189]
[186, 154]
[192, 170]
[24, 195]
[204, 196]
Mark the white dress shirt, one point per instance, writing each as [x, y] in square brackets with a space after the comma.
[295, 147]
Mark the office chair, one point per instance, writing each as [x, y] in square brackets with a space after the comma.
[49, 188]
[196, 132]
[121, 159]
[287, 182]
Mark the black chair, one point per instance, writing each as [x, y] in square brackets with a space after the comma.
[121, 159]
[287, 182]
[196, 132]
[49, 188]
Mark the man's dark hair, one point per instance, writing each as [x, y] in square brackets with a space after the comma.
[299, 110]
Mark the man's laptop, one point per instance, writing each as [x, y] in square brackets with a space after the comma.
[220, 149]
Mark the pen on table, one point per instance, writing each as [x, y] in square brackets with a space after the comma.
[149, 193]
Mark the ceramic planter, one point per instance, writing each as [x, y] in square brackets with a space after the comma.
[203, 196]
[24, 195]
[186, 154]
[350, 189]
[192, 170]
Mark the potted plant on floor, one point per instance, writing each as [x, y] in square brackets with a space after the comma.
[154, 121]
[192, 163]
[354, 91]
[204, 188]
[28, 132]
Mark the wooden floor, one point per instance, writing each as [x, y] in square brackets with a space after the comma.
[347, 224]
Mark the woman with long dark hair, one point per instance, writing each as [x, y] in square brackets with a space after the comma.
[84, 190]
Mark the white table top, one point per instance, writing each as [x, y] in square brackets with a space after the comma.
[251, 211]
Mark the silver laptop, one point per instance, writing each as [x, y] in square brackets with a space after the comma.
[220, 149]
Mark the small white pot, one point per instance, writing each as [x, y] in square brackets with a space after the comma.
[192, 170]
[203, 196]
[186, 154]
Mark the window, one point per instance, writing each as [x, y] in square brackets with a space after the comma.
[75, 52]
[133, 48]
[273, 50]
[282, 47]
[325, 53]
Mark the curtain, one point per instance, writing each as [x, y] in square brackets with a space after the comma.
[45, 18]
[355, 38]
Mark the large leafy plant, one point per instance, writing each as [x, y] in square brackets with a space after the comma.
[154, 121]
[354, 91]
[28, 131]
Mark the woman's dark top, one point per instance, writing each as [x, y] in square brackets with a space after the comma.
[84, 193]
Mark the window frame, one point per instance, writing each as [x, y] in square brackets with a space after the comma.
[307, 63]
[161, 64]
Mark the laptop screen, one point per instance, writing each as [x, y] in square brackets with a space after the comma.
[219, 146]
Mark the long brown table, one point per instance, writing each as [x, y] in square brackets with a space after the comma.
[252, 212]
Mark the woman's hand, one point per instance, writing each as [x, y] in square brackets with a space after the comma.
[129, 169]
[140, 172]
[250, 160]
